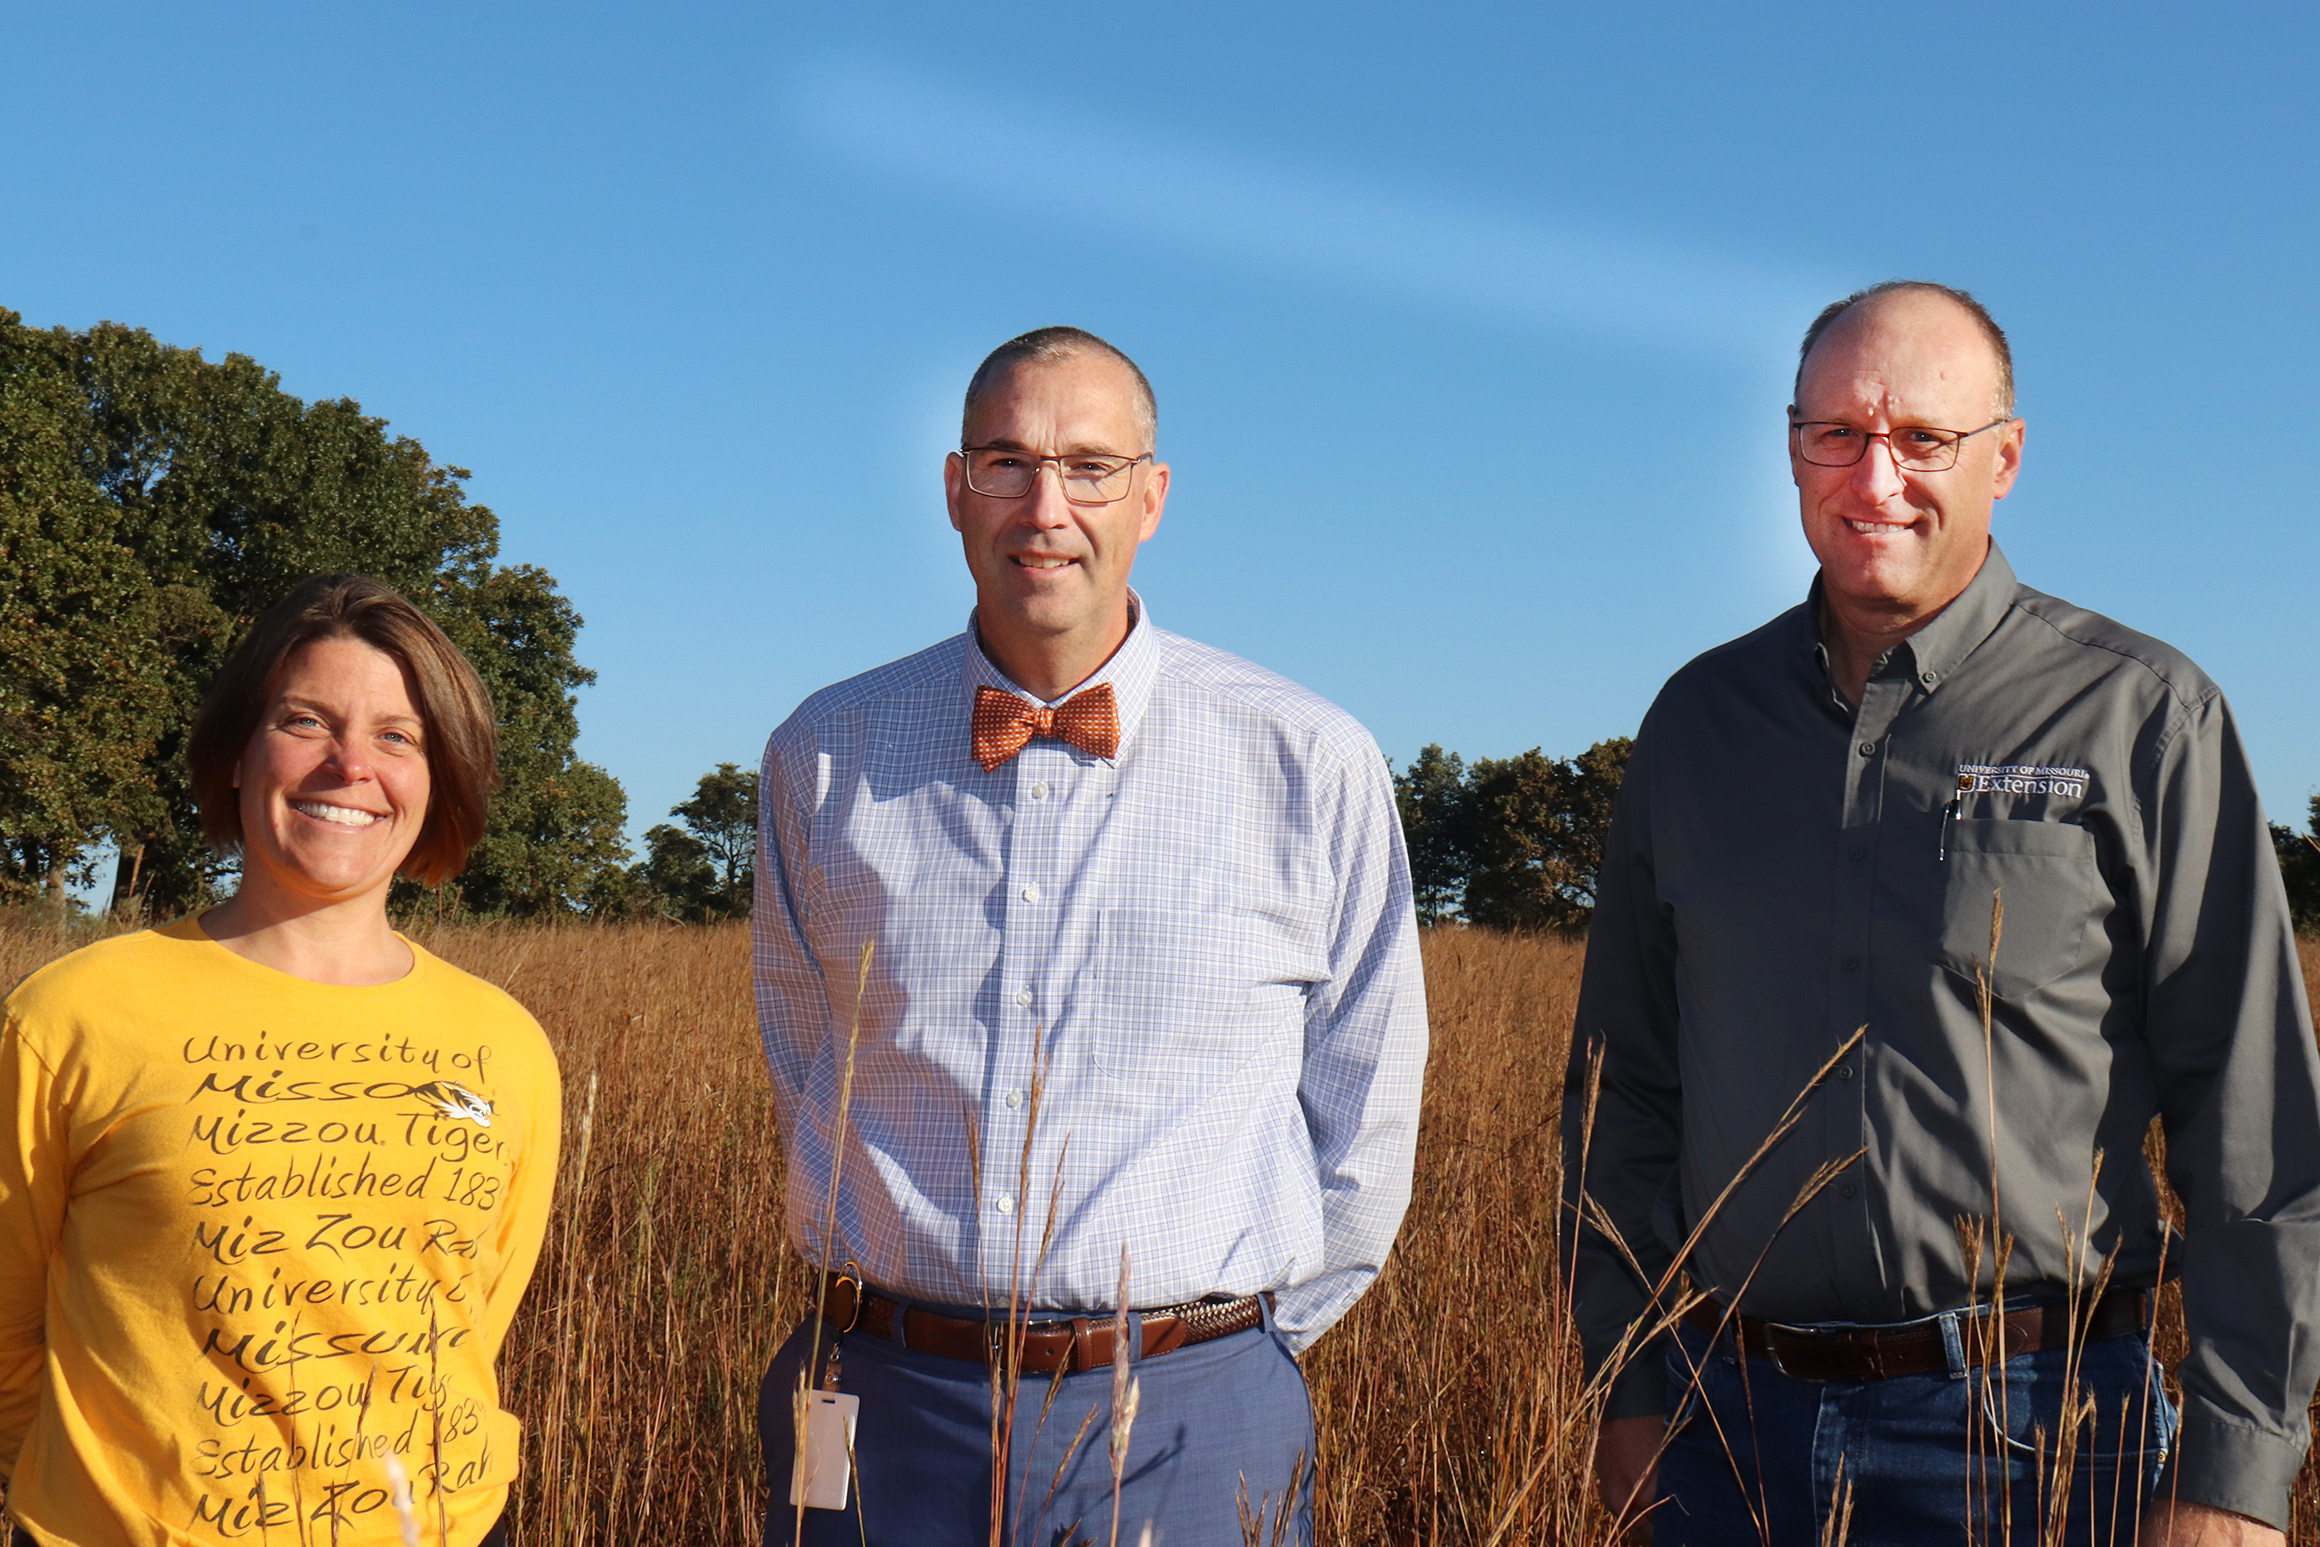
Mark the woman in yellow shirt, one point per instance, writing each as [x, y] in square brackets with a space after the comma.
[272, 1181]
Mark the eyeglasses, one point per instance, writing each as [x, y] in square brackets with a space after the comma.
[1915, 448]
[1089, 478]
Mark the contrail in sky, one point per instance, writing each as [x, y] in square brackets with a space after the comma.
[1306, 222]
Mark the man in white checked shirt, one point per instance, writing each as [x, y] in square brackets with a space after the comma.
[1144, 980]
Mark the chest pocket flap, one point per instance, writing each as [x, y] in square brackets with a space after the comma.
[2054, 893]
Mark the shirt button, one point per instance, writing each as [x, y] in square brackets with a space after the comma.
[1844, 1071]
[1030, 893]
[1928, 678]
[1852, 962]
[1857, 852]
[1868, 749]
[1005, 1203]
[1846, 1191]
[1014, 1098]
[1023, 996]
[1039, 789]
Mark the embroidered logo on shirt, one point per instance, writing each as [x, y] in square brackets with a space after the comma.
[2020, 779]
[452, 1099]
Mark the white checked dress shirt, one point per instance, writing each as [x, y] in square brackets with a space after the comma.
[1202, 950]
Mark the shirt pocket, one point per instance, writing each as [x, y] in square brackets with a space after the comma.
[1187, 998]
[2054, 894]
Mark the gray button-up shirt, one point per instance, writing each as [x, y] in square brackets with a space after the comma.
[1784, 869]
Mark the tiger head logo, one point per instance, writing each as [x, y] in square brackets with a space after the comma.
[449, 1098]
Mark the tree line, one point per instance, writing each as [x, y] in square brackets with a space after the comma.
[1509, 843]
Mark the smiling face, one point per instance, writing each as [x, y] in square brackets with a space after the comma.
[1899, 546]
[1051, 577]
[334, 782]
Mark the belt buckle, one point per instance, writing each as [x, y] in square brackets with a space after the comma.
[1009, 1332]
[1774, 1333]
[851, 1273]
[1002, 1332]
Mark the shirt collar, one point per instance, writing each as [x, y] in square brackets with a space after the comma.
[1958, 630]
[1939, 648]
[1132, 670]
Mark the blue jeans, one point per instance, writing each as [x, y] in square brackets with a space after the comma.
[1963, 1456]
[1209, 1418]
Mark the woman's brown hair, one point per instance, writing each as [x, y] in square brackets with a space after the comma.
[462, 738]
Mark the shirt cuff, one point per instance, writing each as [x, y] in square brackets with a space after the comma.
[2224, 1464]
[1302, 1314]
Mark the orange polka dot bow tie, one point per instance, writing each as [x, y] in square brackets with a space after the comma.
[1005, 723]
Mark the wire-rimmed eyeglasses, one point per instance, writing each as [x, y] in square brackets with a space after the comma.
[1088, 478]
[1916, 448]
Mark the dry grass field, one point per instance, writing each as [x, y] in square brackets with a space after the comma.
[1449, 1399]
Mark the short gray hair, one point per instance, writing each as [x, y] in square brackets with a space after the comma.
[1049, 346]
[1995, 335]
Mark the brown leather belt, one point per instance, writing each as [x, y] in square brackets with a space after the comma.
[1072, 1344]
[1880, 1353]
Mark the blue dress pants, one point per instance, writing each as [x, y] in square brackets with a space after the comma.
[1957, 1457]
[1210, 1418]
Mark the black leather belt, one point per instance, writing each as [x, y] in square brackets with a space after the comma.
[1918, 1347]
[1074, 1344]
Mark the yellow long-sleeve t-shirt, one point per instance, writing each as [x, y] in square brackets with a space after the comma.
[256, 1233]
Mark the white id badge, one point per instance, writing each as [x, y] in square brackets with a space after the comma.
[818, 1480]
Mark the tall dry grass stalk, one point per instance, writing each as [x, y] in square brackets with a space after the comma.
[667, 1283]
[1126, 1391]
[1450, 1402]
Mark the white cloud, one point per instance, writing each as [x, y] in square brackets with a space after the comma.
[1302, 221]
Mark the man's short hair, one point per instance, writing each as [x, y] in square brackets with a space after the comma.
[1051, 345]
[1973, 308]
[455, 717]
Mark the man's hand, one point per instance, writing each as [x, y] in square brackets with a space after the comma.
[2168, 1524]
[1626, 1458]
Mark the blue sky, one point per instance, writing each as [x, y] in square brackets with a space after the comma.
[1471, 324]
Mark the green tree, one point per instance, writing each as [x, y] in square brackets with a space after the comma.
[676, 878]
[1431, 793]
[79, 707]
[227, 490]
[2300, 869]
[705, 870]
[1534, 836]
[723, 816]
[554, 847]
[555, 840]
[1509, 843]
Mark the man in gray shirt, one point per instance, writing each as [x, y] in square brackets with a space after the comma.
[1908, 1236]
